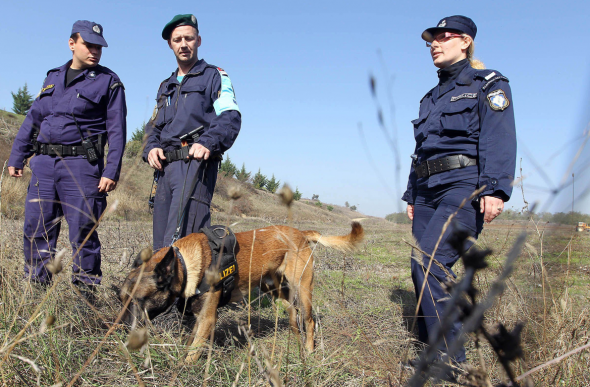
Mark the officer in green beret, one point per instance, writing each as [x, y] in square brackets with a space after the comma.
[196, 94]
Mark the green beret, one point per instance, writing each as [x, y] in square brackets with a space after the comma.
[179, 20]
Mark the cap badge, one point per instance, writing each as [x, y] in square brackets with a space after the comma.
[193, 19]
[92, 74]
[443, 23]
[96, 29]
[498, 100]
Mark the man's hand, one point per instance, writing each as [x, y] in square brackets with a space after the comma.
[15, 172]
[199, 152]
[410, 211]
[154, 158]
[106, 185]
[491, 207]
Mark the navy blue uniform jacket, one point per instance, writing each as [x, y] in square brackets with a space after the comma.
[96, 97]
[204, 97]
[463, 121]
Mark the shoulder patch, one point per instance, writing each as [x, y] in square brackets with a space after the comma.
[47, 88]
[222, 72]
[494, 79]
[498, 100]
[117, 84]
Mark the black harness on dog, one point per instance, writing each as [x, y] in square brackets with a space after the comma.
[222, 242]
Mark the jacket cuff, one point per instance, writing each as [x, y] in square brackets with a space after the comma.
[209, 144]
[408, 197]
[12, 162]
[111, 173]
[500, 188]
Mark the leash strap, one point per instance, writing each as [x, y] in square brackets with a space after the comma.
[183, 207]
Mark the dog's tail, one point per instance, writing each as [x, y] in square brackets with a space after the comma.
[344, 243]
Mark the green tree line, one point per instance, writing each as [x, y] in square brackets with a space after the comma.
[569, 218]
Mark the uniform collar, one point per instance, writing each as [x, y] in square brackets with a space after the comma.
[197, 68]
[465, 77]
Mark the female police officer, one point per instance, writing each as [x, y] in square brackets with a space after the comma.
[465, 140]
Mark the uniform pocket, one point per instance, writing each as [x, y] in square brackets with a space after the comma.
[193, 96]
[420, 126]
[460, 117]
[87, 103]
[165, 108]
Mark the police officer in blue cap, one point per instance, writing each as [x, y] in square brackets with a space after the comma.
[80, 108]
[465, 140]
[196, 95]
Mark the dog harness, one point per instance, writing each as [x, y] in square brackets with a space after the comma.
[222, 242]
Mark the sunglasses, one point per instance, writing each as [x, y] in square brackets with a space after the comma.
[444, 37]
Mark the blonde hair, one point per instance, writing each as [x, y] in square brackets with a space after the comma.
[475, 63]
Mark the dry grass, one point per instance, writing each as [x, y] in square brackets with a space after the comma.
[363, 303]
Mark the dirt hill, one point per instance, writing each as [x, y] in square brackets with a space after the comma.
[9, 124]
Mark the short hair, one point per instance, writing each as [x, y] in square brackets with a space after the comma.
[75, 36]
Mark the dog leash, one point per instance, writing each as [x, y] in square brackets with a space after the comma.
[183, 207]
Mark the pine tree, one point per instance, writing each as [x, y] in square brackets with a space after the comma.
[259, 180]
[227, 168]
[22, 101]
[242, 175]
[272, 184]
[139, 133]
[296, 194]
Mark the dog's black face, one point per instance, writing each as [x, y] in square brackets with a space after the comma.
[154, 293]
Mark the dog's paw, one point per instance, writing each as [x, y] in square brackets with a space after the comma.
[193, 356]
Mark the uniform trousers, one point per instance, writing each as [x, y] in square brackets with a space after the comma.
[432, 208]
[195, 204]
[63, 188]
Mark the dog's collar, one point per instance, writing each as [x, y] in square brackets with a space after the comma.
[183, 264]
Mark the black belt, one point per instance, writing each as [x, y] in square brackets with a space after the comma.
[431, 167]
[61, 150]
[177, 154]
[182, 154]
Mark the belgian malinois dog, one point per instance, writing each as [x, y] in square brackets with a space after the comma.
[278, 259]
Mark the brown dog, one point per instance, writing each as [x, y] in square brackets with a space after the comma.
[275, 258]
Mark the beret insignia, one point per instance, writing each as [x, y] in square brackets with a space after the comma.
[96, 29]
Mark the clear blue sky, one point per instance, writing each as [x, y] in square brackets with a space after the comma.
[301, 69]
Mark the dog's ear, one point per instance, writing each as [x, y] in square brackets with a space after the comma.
[166, 269]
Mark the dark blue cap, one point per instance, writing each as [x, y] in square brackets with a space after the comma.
[458, 23]
[90, 32]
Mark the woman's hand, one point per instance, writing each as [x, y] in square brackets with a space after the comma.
[410, 211]
[491, 207]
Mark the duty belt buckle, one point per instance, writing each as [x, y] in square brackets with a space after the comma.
[56, 149]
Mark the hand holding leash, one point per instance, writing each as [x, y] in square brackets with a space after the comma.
[199, 152]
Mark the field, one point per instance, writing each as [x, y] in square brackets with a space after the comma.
[363, 303]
